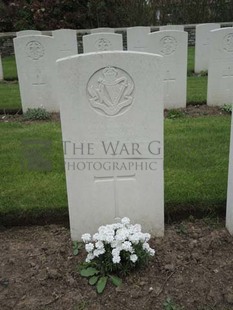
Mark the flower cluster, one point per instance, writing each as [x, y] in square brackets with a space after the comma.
[119, 241]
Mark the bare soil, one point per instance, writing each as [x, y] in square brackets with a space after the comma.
[193, 267]
[189, 111]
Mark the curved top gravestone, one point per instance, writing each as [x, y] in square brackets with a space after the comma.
[137, 39]
[36, 57]
[28, 33]
[112, 127]
[100, 42]
[173, 46]
[104, 29]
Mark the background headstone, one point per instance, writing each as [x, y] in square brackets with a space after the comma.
[104, 29]
[202, 46]
[229, 211]
[36, 66]
[172, 27]
[1, 69]
[28, 33]
[173, 46]
[66, 42]
[112, 127]
[137, 39]
[220, 72]
[100, 42]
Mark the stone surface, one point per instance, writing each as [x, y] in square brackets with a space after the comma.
[100, 42]
[220, 72]
[1, 69]
[172, 27]
[27, 33]
[202, 46]
[137, 39]
[229, 211]
[173, 45]
[104, 29]
[112, 127]
[36, 66]
[66, 42]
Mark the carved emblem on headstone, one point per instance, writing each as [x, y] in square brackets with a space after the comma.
[168, 45]
[110, 91]
[103, 44]
[228, 42]
[35, 50]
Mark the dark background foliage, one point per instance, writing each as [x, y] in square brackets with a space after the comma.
[17, 15]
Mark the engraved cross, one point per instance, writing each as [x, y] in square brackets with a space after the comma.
[168, 80]
[115, 180]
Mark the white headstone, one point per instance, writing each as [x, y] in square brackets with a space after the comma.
[229, 211]
[1, 69]
[112, 127]
[202, 46]
[36, 66]
[28, 33]
[104, 29]
[66, 42]
[137, 39]
[220, 72]
[172, 27]
[100, 42]
[173, 45]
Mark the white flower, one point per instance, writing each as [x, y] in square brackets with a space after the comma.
[133, 258]
[96, 237]
[147, 236]
[89, 247]
[116, 259]
[97, 252]
[115, 252]
[86, 238]
[151, 252]
[134, 238]
[99, 245]
[146, 246]
[90, 256]
[127, 246]
[125, 221]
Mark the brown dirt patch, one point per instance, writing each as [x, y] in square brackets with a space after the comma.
[190, 111]
[193, 267]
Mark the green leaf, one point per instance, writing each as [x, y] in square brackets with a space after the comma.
[93, 280]
[76, 247]
[115, 280]
[100, 286]
[88, 272]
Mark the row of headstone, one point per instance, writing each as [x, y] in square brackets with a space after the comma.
[36, 56]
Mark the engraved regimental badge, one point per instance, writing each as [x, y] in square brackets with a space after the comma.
[168, 45]
[110, 91]
[228, 42]
[35, 50]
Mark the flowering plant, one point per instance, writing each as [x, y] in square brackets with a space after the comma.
[115, 249]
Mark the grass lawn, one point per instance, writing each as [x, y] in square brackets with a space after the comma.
[9, 68]
[196, 164]
[9, 96]
[191, 55]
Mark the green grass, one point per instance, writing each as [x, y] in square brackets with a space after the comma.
[191, 55]
[196, 89]
[9, 96]
[27, 193]
[196, 163]
[9, 68]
